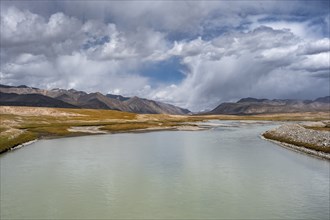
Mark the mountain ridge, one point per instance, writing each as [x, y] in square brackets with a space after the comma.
[80, 99]
[250, 106]
[36, 100]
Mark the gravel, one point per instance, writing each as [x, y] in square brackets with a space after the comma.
[304, 138]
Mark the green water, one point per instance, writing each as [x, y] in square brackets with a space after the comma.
[226, 172]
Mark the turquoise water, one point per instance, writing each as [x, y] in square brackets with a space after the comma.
[225, 172]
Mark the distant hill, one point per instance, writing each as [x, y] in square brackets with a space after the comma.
[250, 106]
[146, 106]
[323, 99]
[35, 100]
[29, 96]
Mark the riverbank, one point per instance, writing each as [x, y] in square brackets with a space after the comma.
[94, 130]
[20, 125]
[23, 124]
[314, 141]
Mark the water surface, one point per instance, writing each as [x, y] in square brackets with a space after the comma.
[226, 172]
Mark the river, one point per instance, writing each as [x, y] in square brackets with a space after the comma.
[224, 172]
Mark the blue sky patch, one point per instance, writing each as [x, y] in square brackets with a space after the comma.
[168, 71]
[95, 41]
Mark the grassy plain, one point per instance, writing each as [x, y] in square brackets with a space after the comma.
[22, 124]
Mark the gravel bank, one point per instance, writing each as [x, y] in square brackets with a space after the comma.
[299, 138]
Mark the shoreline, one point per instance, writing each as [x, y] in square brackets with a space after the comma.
[300, 149]
[80, 131]
[77, 132]
[45, 124]
[22, 145]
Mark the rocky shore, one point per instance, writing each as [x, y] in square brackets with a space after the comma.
[297, 137]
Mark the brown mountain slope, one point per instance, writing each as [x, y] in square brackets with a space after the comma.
[97, 100]
[146, 106]
[36, 100]
[250, 106]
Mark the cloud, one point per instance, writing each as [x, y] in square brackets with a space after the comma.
[72, 71]
[64, 52]
[182, 17]
[261, 63]
[315, 47]
[23, 27]
[225, 50]
[313, 63]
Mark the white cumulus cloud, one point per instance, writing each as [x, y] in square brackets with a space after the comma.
[226, 50]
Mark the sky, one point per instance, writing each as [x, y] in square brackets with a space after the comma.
[193, 54]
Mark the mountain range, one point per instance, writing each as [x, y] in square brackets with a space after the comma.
[251, 106]
[61, 98]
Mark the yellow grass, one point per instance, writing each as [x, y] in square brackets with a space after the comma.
[22, 124]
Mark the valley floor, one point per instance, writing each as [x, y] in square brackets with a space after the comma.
[23, 124]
